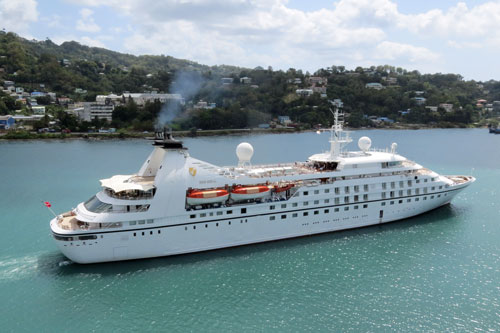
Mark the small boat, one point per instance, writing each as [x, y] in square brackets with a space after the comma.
[278, 189]
[199, 197]
[249, 192]
[494, 130]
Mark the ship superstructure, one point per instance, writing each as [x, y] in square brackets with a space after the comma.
[178, 204]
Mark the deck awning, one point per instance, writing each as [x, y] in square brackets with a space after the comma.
[121, 183]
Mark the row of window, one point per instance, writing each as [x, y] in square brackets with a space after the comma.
[217, 224]
[316, 212]
[150, 221]
[416, 199]
[356, 188]
[151, 232]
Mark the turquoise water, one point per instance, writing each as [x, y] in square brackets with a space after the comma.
[435, 272]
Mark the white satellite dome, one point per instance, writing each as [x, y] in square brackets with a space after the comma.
[244, 151]
[364, 143]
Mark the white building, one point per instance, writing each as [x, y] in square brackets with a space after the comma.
[304, 92]
[374, 85]
[93, 110]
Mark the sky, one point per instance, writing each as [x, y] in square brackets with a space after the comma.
[445, 36]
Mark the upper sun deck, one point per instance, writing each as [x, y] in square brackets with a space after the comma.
[349, 163]
[129, 187]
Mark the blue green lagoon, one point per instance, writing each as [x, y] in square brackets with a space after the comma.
[439, 271]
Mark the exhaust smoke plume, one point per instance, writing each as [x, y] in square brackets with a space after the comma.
[187, 84]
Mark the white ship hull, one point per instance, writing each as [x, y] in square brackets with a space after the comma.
[242, 230]
[151, 214]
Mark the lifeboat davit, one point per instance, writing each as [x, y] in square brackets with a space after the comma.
[278, 189]
[201, 197]
[249, 192]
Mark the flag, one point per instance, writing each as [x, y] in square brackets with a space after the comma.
[47, 204]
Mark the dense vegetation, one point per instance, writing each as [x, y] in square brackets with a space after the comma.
[71, 68]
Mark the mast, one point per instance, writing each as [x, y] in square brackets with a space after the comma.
[338, 137]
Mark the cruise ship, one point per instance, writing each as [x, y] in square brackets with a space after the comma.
[178, 204]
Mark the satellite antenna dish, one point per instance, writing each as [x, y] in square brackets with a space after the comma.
[364, 143]
[244, 151]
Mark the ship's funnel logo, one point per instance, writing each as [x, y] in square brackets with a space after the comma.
[192, 171]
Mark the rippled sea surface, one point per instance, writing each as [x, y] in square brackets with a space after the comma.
[436, 272]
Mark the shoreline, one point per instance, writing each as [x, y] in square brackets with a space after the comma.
[24, 135]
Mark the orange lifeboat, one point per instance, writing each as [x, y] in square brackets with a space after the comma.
[249, 192]
[201, 197]
[283, 188]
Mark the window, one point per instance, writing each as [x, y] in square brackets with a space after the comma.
[356, 207]
[337, 190]
[408, 192]
[383, 195]
[408, 200]
[417, 181]
[346, 189]
[243, 210]
[417, 191]
[141, 221]
[283, 205]
[393, 184]
[382, 204]
[192, 216]
[306, 193]
[327, 190]
[425, 198]
[272, 218]
[409, 183]
[401, 184]
[316, 212]
[316, 191]
[219, 213]
[432, 197]
[365, 197]
[229, 212]
[365, 188]
[384, 186]
[150, 221]
[327, 211]
[425, 190]
[283, 216]
[305, 203]
[336, 210]
[392, 202]
[425, 180]
[294, 215]
[294, 204]
[417, 199]
[159, 231]
[135, 234]
[132, 223]
[346, 208]
[94, 205]
[305, 214]
[272, 207]
[316, 202]
[440, 187]
[337, 201]
[400, 201]
[356, 188]
[203, 215]
[151, 232]
[356, 198]
[346, 199]
[365, 206]
[400, 193]
[392, 194]
[327, 201]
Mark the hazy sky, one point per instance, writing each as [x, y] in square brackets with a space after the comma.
[431, 36]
